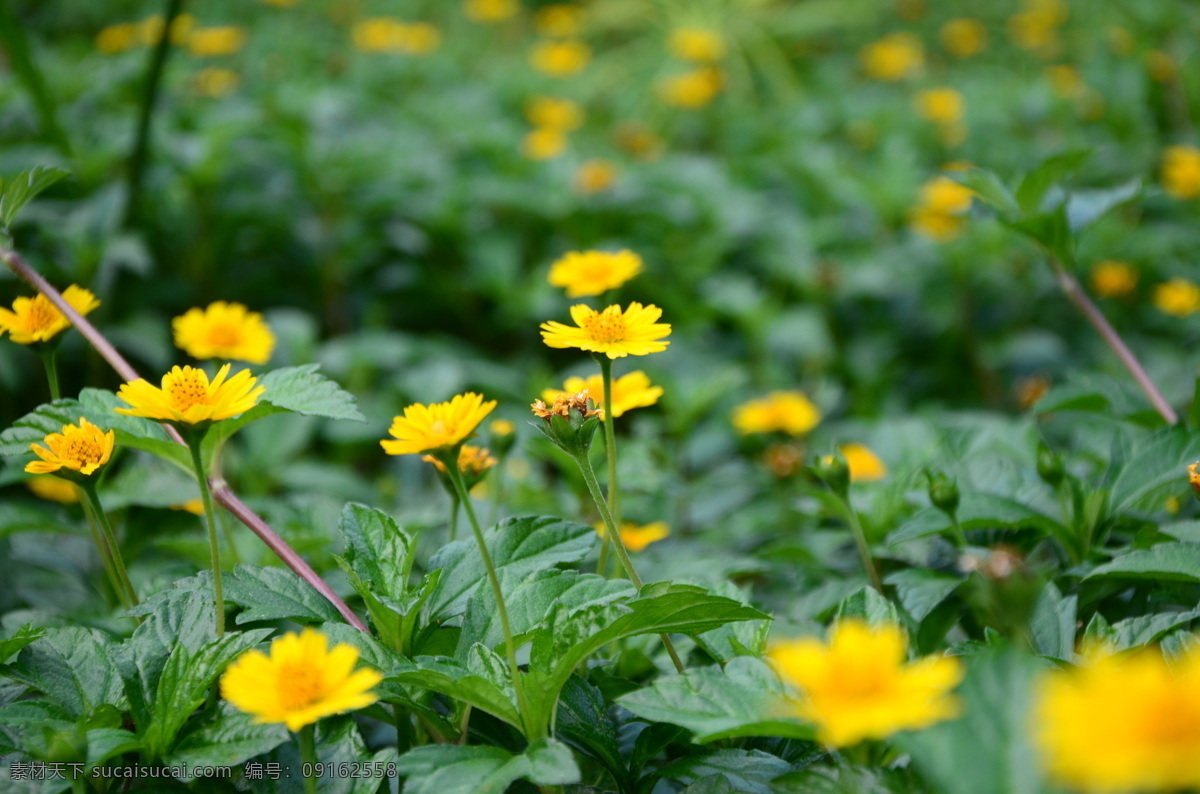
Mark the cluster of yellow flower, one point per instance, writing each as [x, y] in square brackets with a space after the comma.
[1177, 297]
[559, 53]
[941, 210]
[552, 118]
[1036, 26]
[893, 57]
[390, 35]
[200, 41]
[696, 88]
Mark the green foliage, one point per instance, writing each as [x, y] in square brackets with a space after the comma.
[449, 769]
[23, 188]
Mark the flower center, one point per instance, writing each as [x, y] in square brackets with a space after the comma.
[224, 335]
[81, 450]
[42, 314]
[608, 326]
[188, 389]
[300, 686]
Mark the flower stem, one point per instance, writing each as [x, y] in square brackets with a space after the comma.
[47, 357]
[110, 540]
[860, 540]
[110, 572]
[451, 461]
[453, 517]
[308, 757]
[610, 439]
[589, 477]
[214, 548]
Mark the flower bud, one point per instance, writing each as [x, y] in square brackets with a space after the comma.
[943, 492]
[570, 422]
[1049, 465]
[835, 472]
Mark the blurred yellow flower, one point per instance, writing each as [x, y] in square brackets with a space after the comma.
[1112, 279]
[1194, 476]
[585, 273]
[941, 105]
[554, 112]
[637, 538]
[181, 29]
[1120, 40]
[53, 489]
[1036, 28]
[595, 176]
[696, 44]
[560, 58]
[893, 57]
[428, 428]
[491, 10]
[472, 461]
[1121, 723]
[941, 208]
[301, 681]
[1177, 297]
[1160, 66]
[387, 34]
[224, 330]
[691, 90]
[36, 319]
[1028, 390]
[281, 3]
[544, 143]
[865, 465]
[788, 412]
[1065, 81]
[150, 30]
[1181, 171]
[629, 391]
[216, 41]
[613, 332]
[215, 83]
[187, 397]
[860, 686]
[193, 506]
[117, 38]
[502, 427]
[81, 448]
[964, 37]
[638, 140]
[558, 20]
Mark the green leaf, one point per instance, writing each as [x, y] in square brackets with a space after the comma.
[744, 699]
[1158, 460]
[480, 769]
[104, 744]
[868, 605]
[230, 739]
[1144, 629]
[1176, 562]
[1031, 193]
[991, 190]
[743, 638]
[1053, 623]
[1085, 207]
[483, 684]
[70, 666]
[920, 590]
[747, 771]
[377, 549]
[23, 187]
[19, 639]
[272, 593]
[1052, 230]
[979, 511]
[584, 724]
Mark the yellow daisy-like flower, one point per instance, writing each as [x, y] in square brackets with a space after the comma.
[491, 10]
[37, 320]
[865, 465]
[224, 330]
[1181, 172]
[560, 58]
[554, 112]
[188, 398]
[629, 391]
[594, 176]
[941, 209]
[502, 427]
[615, 333]
[80, 448]
[561, 20]
[301, 681]
[892, 57]
[860, 686]
[52, 489]
[585, 273]
[637, 538]
[1177, 297]
[696, 44]
[216, 41]
[426, 428]
[472, 461]
[216, 83]
[941, 105]
[964, 37]
[788, 412]
[1122, 723]
[1112, 279]
[544, 143]
[1194, 476]
[692, 90]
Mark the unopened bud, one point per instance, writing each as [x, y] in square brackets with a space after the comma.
[835, 472]
[943, 492]
[1049, 466]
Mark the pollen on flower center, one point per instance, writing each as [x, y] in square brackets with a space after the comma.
[299, 686]
[83, 450]
[42, 313]
[607, 326]
[187, 390]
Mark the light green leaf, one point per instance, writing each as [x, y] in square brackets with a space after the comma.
[1176, 562]
[23, 187]
[868, 605]
[920, 590]
[1158, 460]
[106, 743]
[230, 739]
[480, 769]
[19, 639]
[1053, 623]
[978, 511]
[457, 680]
[747, 771]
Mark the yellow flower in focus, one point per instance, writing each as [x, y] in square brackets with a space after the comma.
[941, 209]
[613, 332]
[36, 319]
[1122, 723]
[187, 397]
[788, 412]
[941, 105]
[892, 57]
[636, 538]
[301, 681]
[1178, 297]
[964, 37]
[1065, 81]
[427, 428]
[472, 461]
[1181, 172]
[696, 44]
[865, 465]
[860, 686]
[81, 448]
[586, 273]
[117, 38]
[1160, 66]
[560, 58]
[216, 41]
[1112, 279]
[559, 20]
[594, 176]
[544, 143]
[224, 330]
[53, 489]
[216, 83]
[555, 113]
[629, 392]
[491, 10]
[691, 90]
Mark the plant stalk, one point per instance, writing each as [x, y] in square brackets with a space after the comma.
[308, 757]
[860, 540]
[214, 547]
[114, 581]
[110, 540]
[47, 357]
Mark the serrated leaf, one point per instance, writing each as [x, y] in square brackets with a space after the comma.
[920, 590]
[456, 680]
[69, 666]
[1157, 460]
[748, 771]
[270, 593]
[377, 549]
[583, 723]
[978, 511]
[868, 605]
[24, 187]
[18, 640]
[1053, 623]
[480, 769]
[1176, 562]
[230, 739]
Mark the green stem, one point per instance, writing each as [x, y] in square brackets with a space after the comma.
[602, 564]
[214, 548]
[497, 489]
[404, 729]
[47, 357]
[130, 597]
[453, 517]
[589, 477]
[959, 536]
[114, 581]
[610, 438]
[308, 756]
[450, 459]
[860, 540]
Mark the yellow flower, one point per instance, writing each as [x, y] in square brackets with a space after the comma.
[193, 506]
[426, 428]
[1036, 28]
[560, 20]
[964, 37]
[472, 461]
[1181, 172]
[1065, 81]
[788, 412]
[555, 113]
[560, 58]
[639, 141]
[37, 320]
[691, 90]
[636, 538]
[892, 57]
[149, 31]
[940, 211]
[502, 427]
[53, 489]
[1178, 297]
[281, 3]
[941, 105]
[544, 143]
[1122, 723]
[224, 330]
[491, 10]
[1194, 476]
[864, 465]
[117, 38]
[594, 272]
[83, 448]
[301, 681]
[216, 83]
[181, 29]
[216, 41]
[859, 686]
[615, 333]
[386, 34]
[1111, 279]
[1027, 391]
[595, 176]
[696, 44]
[1160, 66]
[188, 398]
[629, 391]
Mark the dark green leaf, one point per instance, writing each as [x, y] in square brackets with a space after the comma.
[22, 188]
[1053, 623]
[1178, 562]
[71, 667]
[274, 594]
[377, 549]
[866, 604]
[749, 771]
[230, 739]
[920, 590]
[19, 639]
[478, 769]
